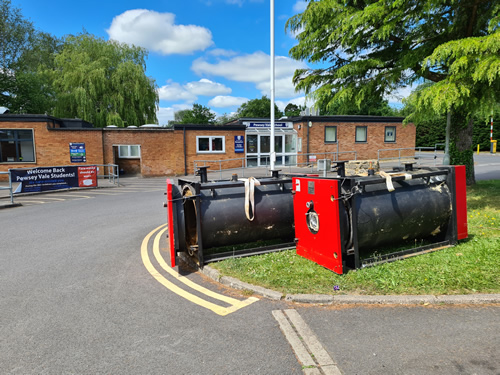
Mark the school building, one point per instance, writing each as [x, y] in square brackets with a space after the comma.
[29, 141]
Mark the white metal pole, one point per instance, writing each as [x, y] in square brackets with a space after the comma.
[273, 153]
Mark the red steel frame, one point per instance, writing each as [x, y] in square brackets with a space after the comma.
[461, 202]
[170, 219]
[323, 247]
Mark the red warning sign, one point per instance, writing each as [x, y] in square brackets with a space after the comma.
[87, 176]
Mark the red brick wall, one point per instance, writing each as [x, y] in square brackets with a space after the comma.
[229, 153]
[346, 137]
[162, 150]
[52, 145]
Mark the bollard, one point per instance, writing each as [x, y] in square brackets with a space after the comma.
[478, 149]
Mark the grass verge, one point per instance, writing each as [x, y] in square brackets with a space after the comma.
[473, 266]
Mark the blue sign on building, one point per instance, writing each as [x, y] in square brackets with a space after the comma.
[77, 153]
[239, 144]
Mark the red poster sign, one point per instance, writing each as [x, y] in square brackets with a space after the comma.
[87, 176]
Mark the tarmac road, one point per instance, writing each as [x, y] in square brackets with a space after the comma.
[76, 298]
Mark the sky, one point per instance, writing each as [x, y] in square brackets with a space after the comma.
[211, 52]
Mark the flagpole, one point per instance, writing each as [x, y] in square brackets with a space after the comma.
[273, 153]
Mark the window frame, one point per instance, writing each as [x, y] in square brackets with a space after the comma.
[336, 135]
[356, 134]
[385, 134]
[210, 140]
[129, 148]
[17, 140]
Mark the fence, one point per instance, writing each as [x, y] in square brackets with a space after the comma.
[299, 162]
[110, 171]
[419, 157]
[9, 187]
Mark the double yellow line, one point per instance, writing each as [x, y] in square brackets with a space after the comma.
[233, 303]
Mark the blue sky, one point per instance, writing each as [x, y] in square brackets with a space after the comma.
[212, 52]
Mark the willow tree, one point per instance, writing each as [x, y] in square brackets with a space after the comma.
[370, 48]
[103, 82]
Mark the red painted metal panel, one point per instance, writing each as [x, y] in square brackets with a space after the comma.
[461, 201]
[170, 222]
[323, 245]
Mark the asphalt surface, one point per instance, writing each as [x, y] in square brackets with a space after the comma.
[76, 298]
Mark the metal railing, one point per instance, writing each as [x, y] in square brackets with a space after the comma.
[418, 156]
[265, 162]
[9, 187]
[110, 171]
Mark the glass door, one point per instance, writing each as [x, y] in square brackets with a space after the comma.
[259, 149]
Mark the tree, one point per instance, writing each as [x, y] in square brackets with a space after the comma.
[373, 47]
[258, 108]
[292, 110]
[103, 82]
[199, 114]
[373, 106]
[15, 37]
[225, 118]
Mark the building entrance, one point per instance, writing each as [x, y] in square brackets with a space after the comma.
[259, 148]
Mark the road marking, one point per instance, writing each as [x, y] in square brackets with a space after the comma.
[50, 198]
[312, 356]
[73, 195]
[220, 310]
[102, 193]
[31, 201]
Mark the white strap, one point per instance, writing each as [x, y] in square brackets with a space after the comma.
[250, 184]
[388, 180]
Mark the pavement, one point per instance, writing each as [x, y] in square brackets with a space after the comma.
[470, 299]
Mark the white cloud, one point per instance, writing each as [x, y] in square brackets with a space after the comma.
[226, 101]
[283, 87]
[206, 87]
[222, 52]
[189, 92]
[254, 68]
[158, 32]
[165, 114]
[175, 91]
[299, 6]
[297, 101]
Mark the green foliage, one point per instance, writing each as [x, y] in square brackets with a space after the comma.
[199, 114]
[430, 132]
[15, 36]
[103, 82]
[374, 106]
[469, 267]
[225, 118]
[293, 110]
[258, 108]
[370, 48]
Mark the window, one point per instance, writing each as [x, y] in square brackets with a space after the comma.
[211, 144]
[361, 132]
[330, 134]
[390, 134]
[16, 146]
[129, 152]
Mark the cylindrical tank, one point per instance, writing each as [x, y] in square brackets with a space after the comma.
[224, 222]
[414, 210]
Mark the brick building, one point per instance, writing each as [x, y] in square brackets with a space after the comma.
[28, 141]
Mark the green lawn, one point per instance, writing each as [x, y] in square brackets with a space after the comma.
[473, 266]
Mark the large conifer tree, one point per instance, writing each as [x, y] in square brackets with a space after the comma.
[370, 48]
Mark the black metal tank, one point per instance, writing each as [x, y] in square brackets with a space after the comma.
[212, 223]
[416, 209]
